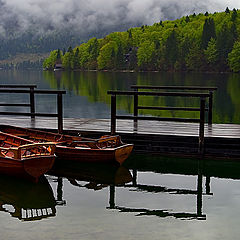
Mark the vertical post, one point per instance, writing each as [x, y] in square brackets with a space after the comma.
[201, 127]
[60, 112]
[135, 110]
[113, 114]
[32, 102]
[210, 106]
[134, 179]
[60, 189]
[199, 195]
[112, 197]
[207, 184]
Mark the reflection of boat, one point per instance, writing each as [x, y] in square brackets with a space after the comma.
[226, 168]
[99, 173]
[23, 158]
[25, 200]
[104, 149]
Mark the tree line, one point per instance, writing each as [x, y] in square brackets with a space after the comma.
[203, 42]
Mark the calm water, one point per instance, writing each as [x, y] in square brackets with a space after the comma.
[87, 92]
[150, 197]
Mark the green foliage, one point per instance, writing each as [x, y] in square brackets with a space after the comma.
[193, 43]
[51, 60]
[208, 32]
[234, 58]
[144, 54]
[106, 56]
[211, 52]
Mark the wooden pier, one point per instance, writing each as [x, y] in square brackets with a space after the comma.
[221, 140]
[194, 137]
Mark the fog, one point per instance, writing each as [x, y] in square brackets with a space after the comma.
[94, 16]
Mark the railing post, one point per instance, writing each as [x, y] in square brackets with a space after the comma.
[135, 109]
[60, 112]
[32, 102]
[210, 106]
[201, 127]
[113, 114]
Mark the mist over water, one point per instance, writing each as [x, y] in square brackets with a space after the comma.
[87, 18]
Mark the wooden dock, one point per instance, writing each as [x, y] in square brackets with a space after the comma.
[221, 140]
[180, 136]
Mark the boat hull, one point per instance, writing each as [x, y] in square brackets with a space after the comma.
[118, 154]
[104, 149]
[30, 168]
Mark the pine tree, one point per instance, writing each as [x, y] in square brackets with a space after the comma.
[234, 15]
[227, 10]
[208, 32]
[171, 52]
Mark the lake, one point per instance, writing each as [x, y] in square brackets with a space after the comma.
[150, 197]
[87, 92]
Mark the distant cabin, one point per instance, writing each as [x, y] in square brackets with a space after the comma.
[58, 66]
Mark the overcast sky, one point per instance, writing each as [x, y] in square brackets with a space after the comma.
[88, 16]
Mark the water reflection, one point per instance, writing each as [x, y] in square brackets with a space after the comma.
[94, 85]
[28, 201]
[25, 200]
[162, 189]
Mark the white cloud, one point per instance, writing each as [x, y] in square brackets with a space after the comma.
[96, 15]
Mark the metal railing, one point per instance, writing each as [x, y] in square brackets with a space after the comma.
[31, 103]
[210, 90]
[201, 120]
[16, 89]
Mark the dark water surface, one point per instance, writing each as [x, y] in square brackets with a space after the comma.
[150, 197]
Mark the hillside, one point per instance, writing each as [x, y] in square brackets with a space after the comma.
[203, 42]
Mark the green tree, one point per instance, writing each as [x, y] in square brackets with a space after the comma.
[208, 32]
[171, 50]
[227, 10]
[106, 56]
[51, 60]
[211, 52]
[234, 15]
[144, 54]
[234, 58]
[225, 41]
[195, 58]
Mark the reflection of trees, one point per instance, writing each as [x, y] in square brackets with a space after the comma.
[94, 85]
[233, 90]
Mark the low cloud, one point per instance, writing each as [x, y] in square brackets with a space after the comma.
[95, 16]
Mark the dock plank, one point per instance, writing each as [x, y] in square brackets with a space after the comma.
[126, 126]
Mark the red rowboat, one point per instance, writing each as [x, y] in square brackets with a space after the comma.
[23, 158]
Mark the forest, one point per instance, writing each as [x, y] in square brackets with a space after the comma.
[206, 42]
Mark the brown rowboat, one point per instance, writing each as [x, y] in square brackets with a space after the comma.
[104, 149]
[23, 158]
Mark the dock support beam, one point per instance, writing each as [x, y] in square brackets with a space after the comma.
[135, 111]
[32, 102]
[201, 127]
[210, 106]
[60, 112]
[113, 114]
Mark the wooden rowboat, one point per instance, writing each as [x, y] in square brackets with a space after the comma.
[104, 149]
[23, 158]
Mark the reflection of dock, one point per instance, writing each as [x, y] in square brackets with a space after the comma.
[222, 140]
[159, 189]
